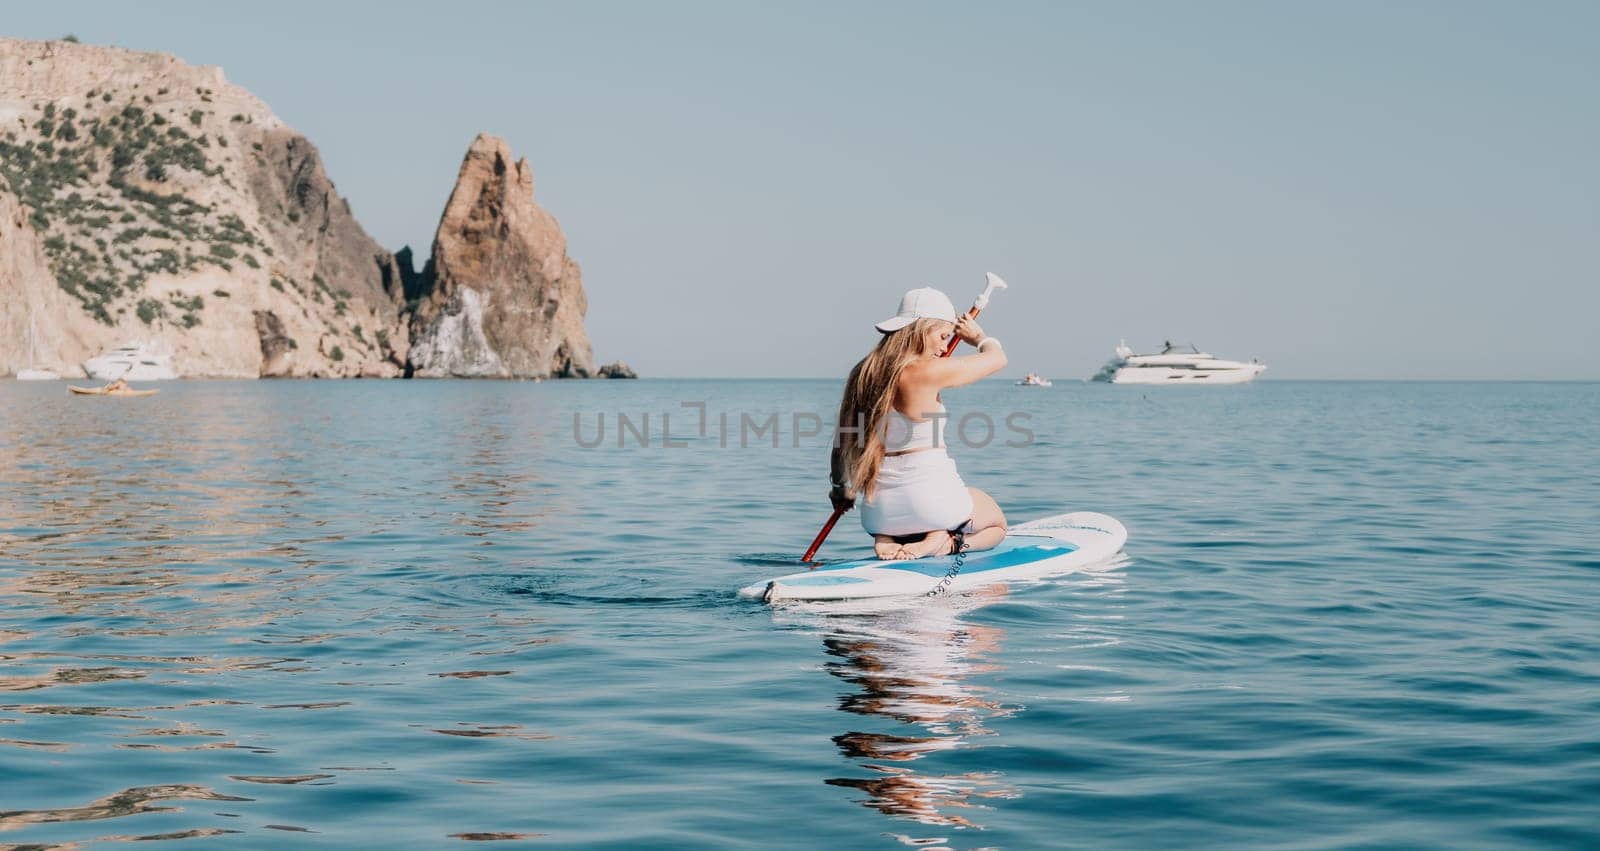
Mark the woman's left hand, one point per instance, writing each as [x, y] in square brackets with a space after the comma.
[969, 330]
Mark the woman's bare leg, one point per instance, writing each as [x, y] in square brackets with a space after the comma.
[935, 543]
[989, 529]
[988, 522]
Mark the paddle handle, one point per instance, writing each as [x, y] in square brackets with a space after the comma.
[956, 341]
[823, 535]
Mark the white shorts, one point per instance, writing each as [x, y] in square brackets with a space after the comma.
[916, 493]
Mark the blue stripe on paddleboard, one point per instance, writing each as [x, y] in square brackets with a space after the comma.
[822, 580]
[978, 564]
[1039, 547]
[1010, 543]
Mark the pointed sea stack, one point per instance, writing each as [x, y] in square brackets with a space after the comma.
[500, 298]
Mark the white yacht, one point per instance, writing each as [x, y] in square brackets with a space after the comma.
[1176, 365]
[132, 362]
[1033, 379]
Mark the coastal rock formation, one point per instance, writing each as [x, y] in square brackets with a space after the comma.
[406, 268]
[619, 369]
[36, 328]
[500, 298]
[276, 345]
[143, 199]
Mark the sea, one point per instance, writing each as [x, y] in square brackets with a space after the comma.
[392, 614]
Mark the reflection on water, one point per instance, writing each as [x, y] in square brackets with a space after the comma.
[240, 587]
[143, 799]
[920, 665]
[914, 666]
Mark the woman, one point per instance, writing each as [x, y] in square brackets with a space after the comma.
[890, 446]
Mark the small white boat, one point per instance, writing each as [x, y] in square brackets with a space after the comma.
[1176, 365]
[132, 362]
[1033, 380]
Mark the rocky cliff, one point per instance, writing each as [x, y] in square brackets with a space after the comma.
[500, 297]
[36, 317]
[144, 199]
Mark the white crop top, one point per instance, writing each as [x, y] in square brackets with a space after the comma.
[902, 433]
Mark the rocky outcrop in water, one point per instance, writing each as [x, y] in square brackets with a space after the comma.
[619, 369]
[499, 298]
[172, 208]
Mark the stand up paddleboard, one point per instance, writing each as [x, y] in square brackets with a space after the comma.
[1038, 548]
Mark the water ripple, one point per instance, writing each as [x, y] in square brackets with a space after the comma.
[415, 614]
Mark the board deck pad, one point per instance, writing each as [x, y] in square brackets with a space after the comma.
[1013, 551]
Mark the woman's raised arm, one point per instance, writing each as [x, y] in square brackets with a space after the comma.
[958, 371]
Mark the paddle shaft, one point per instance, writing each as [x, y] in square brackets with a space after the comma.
[823, 535]
[816, 543]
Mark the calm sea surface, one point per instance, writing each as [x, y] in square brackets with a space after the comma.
[411, 614]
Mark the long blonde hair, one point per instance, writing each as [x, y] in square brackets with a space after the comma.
[868, 396]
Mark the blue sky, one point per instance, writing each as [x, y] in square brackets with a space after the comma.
[1344, 190]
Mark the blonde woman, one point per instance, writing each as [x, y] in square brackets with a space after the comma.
[890, 448]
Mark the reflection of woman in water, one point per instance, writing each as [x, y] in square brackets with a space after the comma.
[912, 666]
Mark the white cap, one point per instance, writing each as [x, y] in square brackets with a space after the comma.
[920, 303]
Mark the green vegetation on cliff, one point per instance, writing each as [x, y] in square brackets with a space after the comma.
[96, 182]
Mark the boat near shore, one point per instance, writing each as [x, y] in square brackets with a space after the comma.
[1176, 365]
[133, 362]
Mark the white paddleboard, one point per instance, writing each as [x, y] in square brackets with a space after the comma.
[1031, 550]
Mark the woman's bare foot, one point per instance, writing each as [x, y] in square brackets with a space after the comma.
[887, 548]
[935, 543]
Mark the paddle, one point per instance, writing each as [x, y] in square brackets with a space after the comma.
[982, 301]
[978, 304]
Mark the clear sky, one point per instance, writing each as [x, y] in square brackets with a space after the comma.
[1342, 189]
